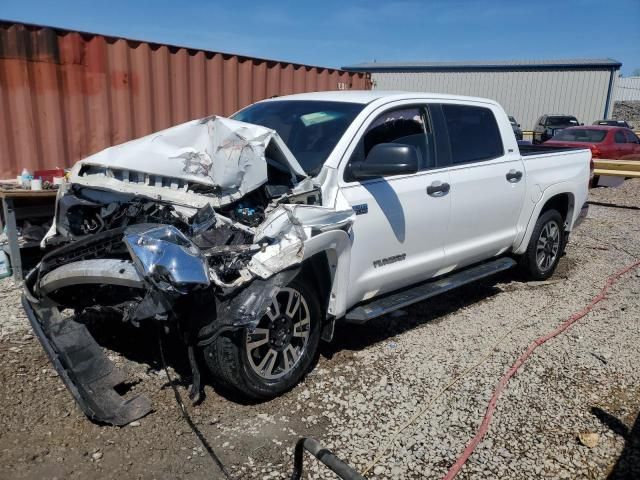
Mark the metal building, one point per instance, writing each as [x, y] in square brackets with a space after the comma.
[66, 94]
[526, 89]
[627, 89]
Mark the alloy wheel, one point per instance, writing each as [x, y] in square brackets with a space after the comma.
[280, 339]
[548, 245]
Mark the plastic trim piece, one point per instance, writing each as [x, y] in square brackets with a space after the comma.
[83, 367]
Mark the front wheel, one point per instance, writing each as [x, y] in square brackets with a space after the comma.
[265, 361]
[545, 247]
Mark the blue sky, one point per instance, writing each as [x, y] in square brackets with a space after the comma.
[336, 33]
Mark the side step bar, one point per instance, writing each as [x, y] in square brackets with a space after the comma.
[423, 291]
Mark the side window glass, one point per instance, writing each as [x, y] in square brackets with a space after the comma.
[407, 126]
[620, 138]
[473, 133]
[632, 137]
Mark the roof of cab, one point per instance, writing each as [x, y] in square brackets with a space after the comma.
[367, 96]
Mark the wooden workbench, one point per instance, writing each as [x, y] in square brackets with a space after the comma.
[21, 204]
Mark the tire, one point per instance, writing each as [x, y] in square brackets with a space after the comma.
[243, 362]
[545, 247]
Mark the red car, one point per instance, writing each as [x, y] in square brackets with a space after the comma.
[615, 143]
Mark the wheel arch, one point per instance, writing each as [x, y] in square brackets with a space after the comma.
[326, 262]
[564, 203]
[559, 197]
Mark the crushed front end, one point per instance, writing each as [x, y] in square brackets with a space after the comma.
[193, 228]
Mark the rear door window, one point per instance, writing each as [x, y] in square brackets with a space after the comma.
[473, 133]
[620, 138]
[632, 137]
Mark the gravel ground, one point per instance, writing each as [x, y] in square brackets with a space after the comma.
[627, 110]
[372, 379]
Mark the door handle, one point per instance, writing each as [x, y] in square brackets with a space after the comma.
[438, 189]
[514, 175]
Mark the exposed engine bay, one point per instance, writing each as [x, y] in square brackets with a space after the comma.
[195, 226]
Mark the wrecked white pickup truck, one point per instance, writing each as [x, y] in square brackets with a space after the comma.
[249, 237]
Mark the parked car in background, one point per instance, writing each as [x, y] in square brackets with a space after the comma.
[517, 131]
[613, 123]
[614, 143]
[549, 125]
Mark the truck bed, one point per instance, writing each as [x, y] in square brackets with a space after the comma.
[528, 150]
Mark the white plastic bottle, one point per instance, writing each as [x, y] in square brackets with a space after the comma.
[26, 178]
[5, 267]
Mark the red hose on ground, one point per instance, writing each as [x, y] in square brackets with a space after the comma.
[484, 426]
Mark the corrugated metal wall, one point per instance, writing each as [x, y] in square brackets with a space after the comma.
[627, 89]
[524, 94]
[65, 95]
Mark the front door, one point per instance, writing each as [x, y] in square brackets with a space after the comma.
[401, 222]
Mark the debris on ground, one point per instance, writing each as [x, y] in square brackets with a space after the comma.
[589, 439]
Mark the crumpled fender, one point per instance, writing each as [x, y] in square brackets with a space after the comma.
[247, 307]
[337, 246]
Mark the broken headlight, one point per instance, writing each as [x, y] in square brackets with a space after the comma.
[164, 255]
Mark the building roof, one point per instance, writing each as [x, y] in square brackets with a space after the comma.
[567, 63]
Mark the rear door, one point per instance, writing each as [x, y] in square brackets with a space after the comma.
[487, 185]
[622, 149]
[401, 221]
[634, 145]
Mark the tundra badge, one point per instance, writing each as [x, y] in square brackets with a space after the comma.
[386, 261]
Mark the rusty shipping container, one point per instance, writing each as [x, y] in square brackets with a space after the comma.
[65, 94]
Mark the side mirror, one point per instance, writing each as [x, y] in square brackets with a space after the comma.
[518, 125]
[582, 124]
[385, 160]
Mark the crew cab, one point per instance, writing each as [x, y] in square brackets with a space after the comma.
[548, 125]
[250, 237]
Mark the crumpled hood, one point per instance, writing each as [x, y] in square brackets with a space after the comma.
[214, 151]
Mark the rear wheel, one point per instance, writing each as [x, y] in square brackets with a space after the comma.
[265, 361]
[545, 247]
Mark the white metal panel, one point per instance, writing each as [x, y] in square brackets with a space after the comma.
[627, 89]
[524, 94]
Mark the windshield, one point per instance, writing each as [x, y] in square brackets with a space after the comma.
[311, 129]
[561, 121]
[581, 135]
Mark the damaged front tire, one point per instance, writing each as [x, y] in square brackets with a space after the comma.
[265, 361]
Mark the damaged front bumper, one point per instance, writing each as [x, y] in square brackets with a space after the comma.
[81, 363]
[194, 228]
[163, 272]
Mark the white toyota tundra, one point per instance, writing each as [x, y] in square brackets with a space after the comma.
[250, 236]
